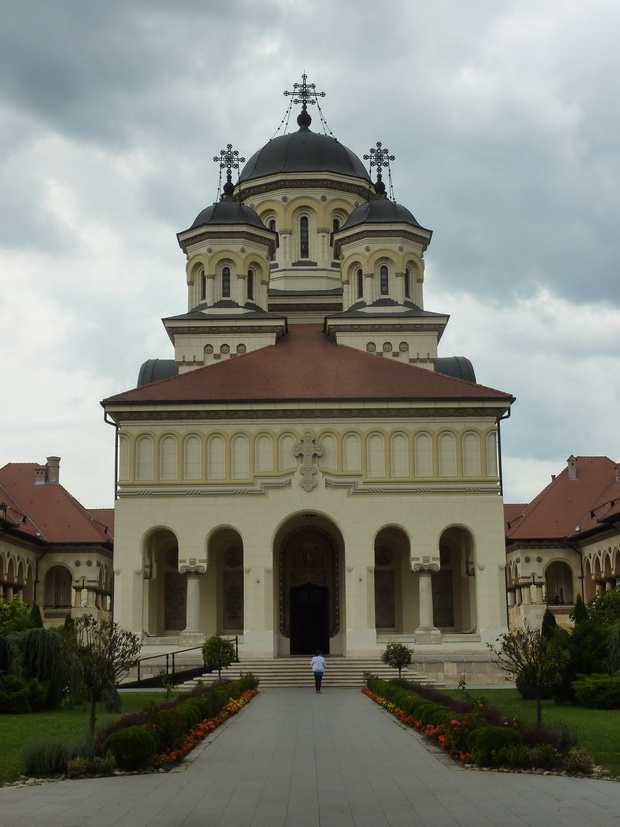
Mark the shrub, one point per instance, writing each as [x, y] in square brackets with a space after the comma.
[248, 680]
[82, 765]
[486, 741]
[133, 748]
[597, 691]
[397, 655]
[167, 726]
[44, 757]
[218, 653]
[18, 696]
[578, 762]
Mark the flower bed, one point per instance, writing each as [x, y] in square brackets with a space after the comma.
[477, 735]
[194, 736]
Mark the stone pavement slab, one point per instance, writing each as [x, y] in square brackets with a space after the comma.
[292, 757]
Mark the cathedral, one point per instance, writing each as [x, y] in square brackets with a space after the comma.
[307, 472]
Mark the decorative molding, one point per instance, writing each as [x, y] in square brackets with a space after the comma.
[233, 330]
[308, 448]
[429, 568]
[252, 190]
[203, 490]
[363, 235]
[363, 414]
[185, 243]
[410, 487]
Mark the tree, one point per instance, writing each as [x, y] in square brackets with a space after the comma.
[397, 655]
[98, 653]
[527, 654]
[14, 615]
[218, 653]
[605, 608]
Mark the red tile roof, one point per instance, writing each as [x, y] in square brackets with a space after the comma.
[568, 507]
[307, 365]
[48, 511]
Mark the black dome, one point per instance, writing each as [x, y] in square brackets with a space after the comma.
[380, 211]
[228, 211]
[303, 151]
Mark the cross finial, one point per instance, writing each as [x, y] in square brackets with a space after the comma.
[379, 157]
[304, 93]
[228, 159]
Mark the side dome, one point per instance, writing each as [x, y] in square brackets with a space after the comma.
[303, 151]
[380, 211]
[228, 211]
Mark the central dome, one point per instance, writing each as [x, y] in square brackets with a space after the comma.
[303, 151]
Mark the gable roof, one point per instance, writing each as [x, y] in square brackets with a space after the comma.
[47, 511]
[569, 507]
[307, 365]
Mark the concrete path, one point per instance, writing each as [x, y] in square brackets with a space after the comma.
[294, 758]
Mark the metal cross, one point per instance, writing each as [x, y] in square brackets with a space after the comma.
[304, 92]
[308, 449]
[379, 157]
[228, 159]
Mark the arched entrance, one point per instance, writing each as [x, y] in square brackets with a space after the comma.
[309, 590]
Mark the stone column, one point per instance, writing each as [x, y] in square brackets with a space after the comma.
[210, 290]
[426, 631]
[368, 288]
[400, 288]
[539, 592]
[192, 635]
[526, 593]
[241, 290]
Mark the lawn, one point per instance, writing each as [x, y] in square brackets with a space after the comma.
[596, 730]
[69, 724]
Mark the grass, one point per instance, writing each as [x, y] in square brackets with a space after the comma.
[65, 724]
[596, 730]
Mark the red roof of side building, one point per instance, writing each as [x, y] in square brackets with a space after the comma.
[568, 507]
[47, 510]
[308, 365]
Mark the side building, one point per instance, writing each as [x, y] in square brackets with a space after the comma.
[306, 472]
[565, 542]
[53, 551]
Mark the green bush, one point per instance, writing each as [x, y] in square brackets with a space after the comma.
[597, 691]
[248, 680]
[528, 692]
[167, 727]
[45, 757]
[82, 765]
[18, 696]
[486, 741]
[578, 762]
[133, 748]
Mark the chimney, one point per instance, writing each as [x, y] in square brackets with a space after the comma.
[39, 476]
[52, 469]
[572, 467]
[617, 470]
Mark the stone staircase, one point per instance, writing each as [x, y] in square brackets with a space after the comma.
[296, 672]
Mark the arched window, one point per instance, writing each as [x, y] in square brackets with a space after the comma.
[335, 225]
[203, 286]
[383, 280]
[304, 247]
[407, 283]
[250, 285]
[225, 282]
[359, 277]
[272, 225]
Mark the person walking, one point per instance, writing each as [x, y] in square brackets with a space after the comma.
[318, 667]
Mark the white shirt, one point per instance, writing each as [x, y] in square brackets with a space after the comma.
[318, 663]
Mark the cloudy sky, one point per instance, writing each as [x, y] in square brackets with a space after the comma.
[504, 119]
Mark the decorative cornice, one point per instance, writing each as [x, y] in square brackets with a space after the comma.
[364, 235]
[216, 490]
[291, 308]
[363, 414]
[228, 330]
[385, 324]
[210, 235]
[248, 191]
[358, 487]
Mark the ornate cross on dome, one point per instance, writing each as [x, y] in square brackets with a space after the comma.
[379, 157]
[228, 159]
[304, 92]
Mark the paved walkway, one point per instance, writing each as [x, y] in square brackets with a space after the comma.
[294, 758]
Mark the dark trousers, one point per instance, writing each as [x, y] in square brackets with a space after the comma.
[318, 677]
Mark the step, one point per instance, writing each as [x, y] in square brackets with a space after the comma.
[292, 672]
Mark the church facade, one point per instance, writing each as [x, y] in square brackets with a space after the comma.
[306, 472]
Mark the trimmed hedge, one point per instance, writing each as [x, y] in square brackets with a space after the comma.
[598, 691]
[133, 748]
